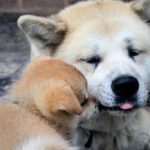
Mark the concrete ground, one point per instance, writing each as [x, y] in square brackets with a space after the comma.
[14, 50]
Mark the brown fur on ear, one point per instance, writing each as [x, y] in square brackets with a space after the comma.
[48, 31]
[142, 8]
[55, 95]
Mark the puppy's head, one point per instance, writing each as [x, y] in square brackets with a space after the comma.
[57, 89]
[55, 97]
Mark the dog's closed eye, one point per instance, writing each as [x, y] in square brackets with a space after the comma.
[134, 52]
[94, 60]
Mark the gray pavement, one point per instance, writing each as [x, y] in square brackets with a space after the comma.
[14, 50]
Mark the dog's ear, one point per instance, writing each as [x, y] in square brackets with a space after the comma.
[54, 96]
[142, 8]
[42, 31]
[66, 100]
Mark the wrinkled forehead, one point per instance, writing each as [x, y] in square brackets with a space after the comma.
[110, 34]
[92, 10]
[107, 26]
[87, 44]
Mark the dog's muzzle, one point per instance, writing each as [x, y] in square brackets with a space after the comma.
[125, 86]
[125, 89]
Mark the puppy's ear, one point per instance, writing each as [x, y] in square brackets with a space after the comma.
[66, 99]
[42, 31]
[142, 8]
[54, 96]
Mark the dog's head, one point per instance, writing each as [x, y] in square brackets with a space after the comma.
[108, 41]
[57, 89]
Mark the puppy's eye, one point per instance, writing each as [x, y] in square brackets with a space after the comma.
[134, 52]
[95, 60]
[84, 102]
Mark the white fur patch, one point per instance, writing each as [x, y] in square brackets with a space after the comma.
[44, 142]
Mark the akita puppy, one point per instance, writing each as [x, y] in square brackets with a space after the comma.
[108, 41]
[45, 103]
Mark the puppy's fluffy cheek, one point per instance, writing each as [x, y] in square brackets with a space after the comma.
[91, 111]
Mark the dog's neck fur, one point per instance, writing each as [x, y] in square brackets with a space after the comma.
[62, 124]
[109, 123]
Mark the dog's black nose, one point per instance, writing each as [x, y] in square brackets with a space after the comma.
[125, 86]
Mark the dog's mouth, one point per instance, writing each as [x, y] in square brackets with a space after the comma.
[126, 107]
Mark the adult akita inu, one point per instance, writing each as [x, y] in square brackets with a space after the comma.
[108, 41]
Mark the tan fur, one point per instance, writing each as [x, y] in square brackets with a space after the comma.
[18, 126]
[47, 98]
[51, 88]
[101, 28]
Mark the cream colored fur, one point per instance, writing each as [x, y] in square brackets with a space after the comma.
[41, 142]
[104, 29]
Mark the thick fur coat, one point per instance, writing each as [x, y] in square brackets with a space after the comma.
[105, 40]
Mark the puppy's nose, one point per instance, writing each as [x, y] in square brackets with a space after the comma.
[125, 86]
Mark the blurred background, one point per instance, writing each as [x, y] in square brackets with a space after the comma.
[14, 49]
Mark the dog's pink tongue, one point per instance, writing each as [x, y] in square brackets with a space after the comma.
[126, 106]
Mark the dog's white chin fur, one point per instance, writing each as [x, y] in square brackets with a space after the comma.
[122, 113]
